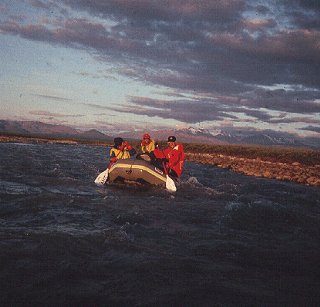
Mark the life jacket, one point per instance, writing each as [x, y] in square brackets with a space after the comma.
[147, 148]
[175, 156]
[159, 154]
[119, 154]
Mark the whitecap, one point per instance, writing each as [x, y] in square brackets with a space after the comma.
[193, 181]
[193, 185]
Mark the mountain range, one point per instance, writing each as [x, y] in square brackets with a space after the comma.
[40, 129]
[185, 135]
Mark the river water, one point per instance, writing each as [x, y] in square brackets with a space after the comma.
[223, 239]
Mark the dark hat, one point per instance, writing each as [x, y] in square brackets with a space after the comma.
[118, 141]
[171, 138]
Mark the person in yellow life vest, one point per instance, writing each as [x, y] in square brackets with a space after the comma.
[121, 150]
[147, 145]
[147, 148]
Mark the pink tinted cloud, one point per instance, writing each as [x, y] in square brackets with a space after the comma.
[46, 113]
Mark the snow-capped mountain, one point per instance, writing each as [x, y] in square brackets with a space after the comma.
[267, 138]
[196, 131]
[229, 136]
[185, 135]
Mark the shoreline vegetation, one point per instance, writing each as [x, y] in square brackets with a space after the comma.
[298, 165]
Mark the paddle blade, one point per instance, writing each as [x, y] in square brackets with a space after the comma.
[170, 185]
[102, 178]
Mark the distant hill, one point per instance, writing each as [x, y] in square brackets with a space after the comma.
[35, 128]
[254, 137]
[47, 129]
[12, 127]
[186, 135]
[268, 138]
[93, 134]
[183, 135]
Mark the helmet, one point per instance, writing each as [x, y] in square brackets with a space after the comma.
[171, 138]
[118, 141]
[146, 136]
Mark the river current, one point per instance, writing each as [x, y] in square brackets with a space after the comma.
[223, 239]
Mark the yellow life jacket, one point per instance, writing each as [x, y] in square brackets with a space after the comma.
[119, 154]
[148, 148]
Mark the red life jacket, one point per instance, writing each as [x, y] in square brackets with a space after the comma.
[175, 156]
[158, 153]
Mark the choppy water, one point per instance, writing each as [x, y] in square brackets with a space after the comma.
[223, 239]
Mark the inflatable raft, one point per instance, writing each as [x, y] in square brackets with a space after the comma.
[137, 171]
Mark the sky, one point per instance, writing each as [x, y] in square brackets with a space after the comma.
[123, 65]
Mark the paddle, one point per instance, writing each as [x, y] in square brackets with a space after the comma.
[170, 185]
[102, 178]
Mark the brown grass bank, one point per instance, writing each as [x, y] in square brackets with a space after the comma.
[297, 165]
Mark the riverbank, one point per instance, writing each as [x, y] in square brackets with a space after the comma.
[290, 171]
[44, 140]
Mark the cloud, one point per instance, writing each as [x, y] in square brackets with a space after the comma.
[40, 4]
[258, 106]
[302, 4]
[98, 75]
[285, 120]
[302, 14]
[49, 6]
[284, 100]
[143, 11]
[257, 24]
[188, 111]
[45, 113]
[311, 128]
[178, 110]
[233, 52]
[3, 8]
[198, 54]
[56, 98]
[96, 106]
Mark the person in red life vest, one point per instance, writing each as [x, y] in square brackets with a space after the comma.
[175, 157]
[121, 150]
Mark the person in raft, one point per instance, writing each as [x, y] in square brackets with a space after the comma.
[147, 144]
[121, 150]
[174, 156]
